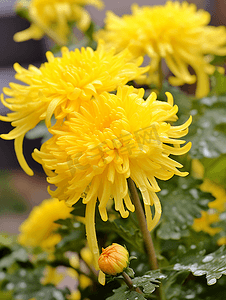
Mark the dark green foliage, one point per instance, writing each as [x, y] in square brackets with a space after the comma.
[182, 201]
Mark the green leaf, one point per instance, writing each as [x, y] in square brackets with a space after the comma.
[25, 284]
[215, 169]
[79, 209]
[147, 283]
[40, 131]
[123, 293]
[218, 83]
[73, 235]
[182, 201]
[125, 228]
[6, 295]
[212, 265]
[181, 99]
[207, 131]
[10, 199]
[6, 240]
[197, 290]
[19, 255]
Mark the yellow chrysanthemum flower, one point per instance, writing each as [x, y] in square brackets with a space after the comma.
[60, 85]
[39, 229]
[52, 17]
[113, 138]
[175, 32]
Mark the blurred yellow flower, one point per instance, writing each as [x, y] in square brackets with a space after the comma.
[205, 221]
[86, 255]
[52, 276]
[59, 87]
[222, 241]
[53, 17]
[38, 230]
[175, 32]
[113, 259]
[114, 137]
[75, 295]
[84, 281]
[217, 206]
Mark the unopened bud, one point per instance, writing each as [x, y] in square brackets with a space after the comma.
[113, 259]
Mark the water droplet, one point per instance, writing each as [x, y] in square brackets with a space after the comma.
[184, 186]
[207, 258]
[221, 270]
[223, 216]
[162, 276]
[193, 112]
[206, 152]
[178, 267]
[191, 296]
[194, 193]
[76, 225]
[136, 298]
[205, 124]
[22, 285]
[10, 286]
[164, 192]
[193, 267]
[211, 281]
[199, 273]
[23, 273]
[57, 295]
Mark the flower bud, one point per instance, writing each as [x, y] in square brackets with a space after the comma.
[113, 259]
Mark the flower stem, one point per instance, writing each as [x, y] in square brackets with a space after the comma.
[149, 246]
[129, 282]
[143, 225]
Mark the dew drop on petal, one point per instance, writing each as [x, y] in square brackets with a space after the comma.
[211, 281]
[207, 258]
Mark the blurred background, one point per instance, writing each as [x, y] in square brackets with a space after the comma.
[18, 191]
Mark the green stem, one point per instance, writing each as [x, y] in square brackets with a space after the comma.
[143, 226]
[129, 282]
[149, 246]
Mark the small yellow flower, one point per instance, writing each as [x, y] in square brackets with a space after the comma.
[59, 87]
[38, 230]
[52, 17]
[86, 255]
[84, 281]
[217, 206]
[75, 295]
[205, 221]
[52, 276]
[114, 137]
[113, 259]
[222, 241]
[175, 32]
